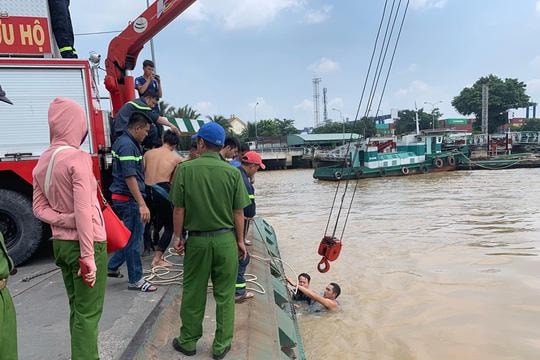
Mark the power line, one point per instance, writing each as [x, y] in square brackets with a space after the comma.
[380, 100]
[388, 34]
[356, 118]
[99, 33]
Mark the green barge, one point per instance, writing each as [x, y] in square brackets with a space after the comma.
[415, 154]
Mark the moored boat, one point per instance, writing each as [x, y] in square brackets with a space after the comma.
[415, 154]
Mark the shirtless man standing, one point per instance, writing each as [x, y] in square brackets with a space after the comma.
[159, 166]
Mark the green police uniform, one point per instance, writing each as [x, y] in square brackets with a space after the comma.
[209, 190]
[86, 304]
[8, 324]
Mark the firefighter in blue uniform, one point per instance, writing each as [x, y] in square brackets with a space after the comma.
[62, 28]
[251, 162]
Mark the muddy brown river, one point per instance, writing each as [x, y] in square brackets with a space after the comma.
[438, 266]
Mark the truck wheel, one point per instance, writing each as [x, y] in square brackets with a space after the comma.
[22, 231]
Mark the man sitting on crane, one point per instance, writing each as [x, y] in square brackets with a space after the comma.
[149, 81]
[145, 105]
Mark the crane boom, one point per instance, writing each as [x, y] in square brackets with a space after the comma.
[124, 49]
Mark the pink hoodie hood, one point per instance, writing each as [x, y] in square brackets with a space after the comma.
[71, 207]
[67, 123]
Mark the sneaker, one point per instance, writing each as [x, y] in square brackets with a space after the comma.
[245, 296]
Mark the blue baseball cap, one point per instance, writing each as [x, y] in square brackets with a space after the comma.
[211, 132]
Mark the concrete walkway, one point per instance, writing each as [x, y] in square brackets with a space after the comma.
[43, 313]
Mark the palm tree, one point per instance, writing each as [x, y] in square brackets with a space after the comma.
[166, 109]
[186, 112]
[248, 132]
[221, 120]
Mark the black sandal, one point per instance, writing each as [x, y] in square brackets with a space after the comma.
[115, 274]
[145, 287]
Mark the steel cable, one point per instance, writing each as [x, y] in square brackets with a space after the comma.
[356, 117]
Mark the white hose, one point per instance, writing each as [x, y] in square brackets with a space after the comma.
[173, 275]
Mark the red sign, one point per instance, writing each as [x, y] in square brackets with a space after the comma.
[24, 35]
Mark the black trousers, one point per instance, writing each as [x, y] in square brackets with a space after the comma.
[62, 27]
[162, 208]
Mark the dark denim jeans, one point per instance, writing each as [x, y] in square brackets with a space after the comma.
[240, 279]
[128, 211]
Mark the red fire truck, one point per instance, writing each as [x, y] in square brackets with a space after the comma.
[32, 74]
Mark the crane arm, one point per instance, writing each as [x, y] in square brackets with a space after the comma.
[124, 49]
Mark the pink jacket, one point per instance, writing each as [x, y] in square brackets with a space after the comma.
[72, 209]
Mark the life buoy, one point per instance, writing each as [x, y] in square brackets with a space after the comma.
[438, 163]
[337, 175]
[451, 161]
[329, 249]
[405, 170]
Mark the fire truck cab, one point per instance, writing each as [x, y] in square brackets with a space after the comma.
[32, 74]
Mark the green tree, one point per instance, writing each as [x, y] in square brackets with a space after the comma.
[267, 127]
[503, 95]
[531, 125]
[221, 120]
[330, 128]
[166, 109]
[407, 120]
[186, 112]
[364, 127]
[248, 132]
[286, 127]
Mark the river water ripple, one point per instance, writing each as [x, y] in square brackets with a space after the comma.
[438, 266]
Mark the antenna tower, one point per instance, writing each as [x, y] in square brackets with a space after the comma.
[316, 114]
[485, 109]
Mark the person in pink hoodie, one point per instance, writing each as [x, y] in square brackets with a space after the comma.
[71, 206]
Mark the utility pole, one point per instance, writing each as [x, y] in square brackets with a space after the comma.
[433, 111]
[485, 109]
[316, 114]
[342, 125]
[325, 113]
[152, 43]
[417, 121]
[255, 120]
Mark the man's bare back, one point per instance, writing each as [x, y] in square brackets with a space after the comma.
[159, 164]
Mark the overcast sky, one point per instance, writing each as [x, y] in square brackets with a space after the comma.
[223, 56]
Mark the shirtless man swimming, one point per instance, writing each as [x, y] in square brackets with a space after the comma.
[159, 166]
[325, 302]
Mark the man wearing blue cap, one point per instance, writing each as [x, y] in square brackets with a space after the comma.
[209, 197]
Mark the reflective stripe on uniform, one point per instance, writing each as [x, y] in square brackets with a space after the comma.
[140, 107]
[252, 197]
[241, 286]
[66, 48]
[126, 158]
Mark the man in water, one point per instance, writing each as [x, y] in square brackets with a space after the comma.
[303, 280]
[325, 302]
